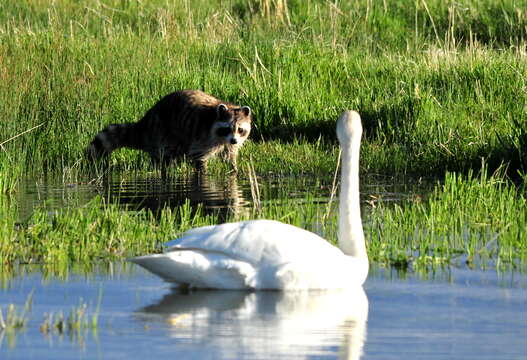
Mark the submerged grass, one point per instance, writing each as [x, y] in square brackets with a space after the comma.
[15, 320]
[474, 220]
[75, 325]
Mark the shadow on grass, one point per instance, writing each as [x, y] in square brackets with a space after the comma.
[389, 122]
[394, 125]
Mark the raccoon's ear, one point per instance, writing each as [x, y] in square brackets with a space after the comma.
[246, 110]
[222, 109]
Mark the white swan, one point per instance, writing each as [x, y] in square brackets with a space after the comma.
[267, 254]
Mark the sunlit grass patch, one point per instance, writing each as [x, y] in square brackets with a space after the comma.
[477, 221]
[97, 232]
[439, 86]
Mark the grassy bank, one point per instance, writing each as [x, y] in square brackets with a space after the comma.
[439, 84]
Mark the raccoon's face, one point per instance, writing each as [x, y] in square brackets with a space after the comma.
[232, 125]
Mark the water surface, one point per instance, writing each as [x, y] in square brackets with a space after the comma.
[464, 314]
[459, 314]
[225, 196]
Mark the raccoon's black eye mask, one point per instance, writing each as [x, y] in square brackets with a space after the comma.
[223, 131]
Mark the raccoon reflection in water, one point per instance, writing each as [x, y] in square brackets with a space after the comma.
[187, 123]
[211, 195]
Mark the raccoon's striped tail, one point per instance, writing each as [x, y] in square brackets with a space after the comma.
[111, 138]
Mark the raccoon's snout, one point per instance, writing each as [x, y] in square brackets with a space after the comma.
[234, 141]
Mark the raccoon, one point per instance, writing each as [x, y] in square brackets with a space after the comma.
[187, 123]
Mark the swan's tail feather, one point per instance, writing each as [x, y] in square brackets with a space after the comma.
[160, 265]
[198, 270]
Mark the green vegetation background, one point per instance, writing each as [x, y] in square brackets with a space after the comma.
[440, 85]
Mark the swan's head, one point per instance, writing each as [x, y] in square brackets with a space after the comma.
[349, 126]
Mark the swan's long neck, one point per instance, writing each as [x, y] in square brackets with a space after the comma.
[350, 233]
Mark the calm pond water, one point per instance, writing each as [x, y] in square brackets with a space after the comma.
[459, 314]
[223, 196]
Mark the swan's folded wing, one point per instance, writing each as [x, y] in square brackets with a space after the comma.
[257, 242]
[230, 239]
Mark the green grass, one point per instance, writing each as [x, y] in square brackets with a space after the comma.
[475, 221]
[87, 235]
[440, 85]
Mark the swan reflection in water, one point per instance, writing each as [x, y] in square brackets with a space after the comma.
[265, 324]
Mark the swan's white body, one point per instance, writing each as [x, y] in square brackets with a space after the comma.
[267, 254]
